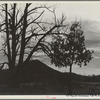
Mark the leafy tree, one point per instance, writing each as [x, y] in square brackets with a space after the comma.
[70, 49]
[26, 32]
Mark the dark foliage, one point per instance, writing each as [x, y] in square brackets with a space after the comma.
[71, 49]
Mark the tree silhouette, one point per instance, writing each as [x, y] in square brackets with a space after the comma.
[26, 32]
[70, 49]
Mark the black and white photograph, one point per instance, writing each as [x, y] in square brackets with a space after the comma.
[50, 48]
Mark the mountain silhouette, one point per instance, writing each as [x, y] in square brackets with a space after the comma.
[35, 70]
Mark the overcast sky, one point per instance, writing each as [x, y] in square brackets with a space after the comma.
[80, 10]
[74, 10]
[89, 11]
[77, 10]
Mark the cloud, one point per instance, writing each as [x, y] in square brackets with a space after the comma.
[91, 30]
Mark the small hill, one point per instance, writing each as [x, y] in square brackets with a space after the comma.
[35, 70]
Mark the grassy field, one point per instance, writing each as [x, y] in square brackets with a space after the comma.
[54, 89]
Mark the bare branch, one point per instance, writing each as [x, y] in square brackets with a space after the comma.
[46, 49]
[34, 9]
[7, 34]
[7, 13]
[31, 53]
[36, 18]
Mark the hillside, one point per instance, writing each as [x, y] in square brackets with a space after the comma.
[36, 71]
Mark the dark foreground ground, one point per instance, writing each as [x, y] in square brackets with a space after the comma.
[37, 78]
[44, 89]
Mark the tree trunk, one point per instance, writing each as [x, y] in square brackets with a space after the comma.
[70, 81]
[12, 76]
[19, 73]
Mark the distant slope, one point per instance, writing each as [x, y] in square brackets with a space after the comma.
[36, 71]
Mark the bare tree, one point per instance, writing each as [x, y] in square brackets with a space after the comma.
[70, 49]
[26, 33]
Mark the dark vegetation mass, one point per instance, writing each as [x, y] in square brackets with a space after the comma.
[30, 73]
[36, 72]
